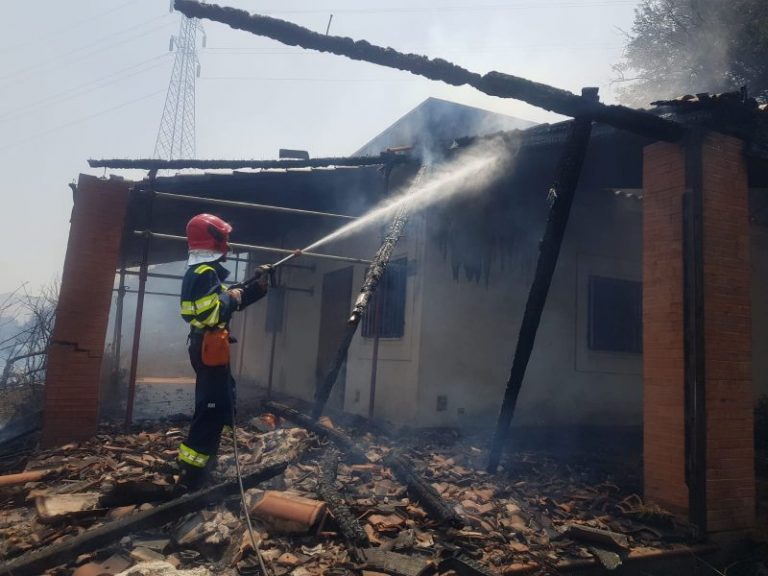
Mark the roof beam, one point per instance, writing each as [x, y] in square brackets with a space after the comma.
[255, 248]
[181, 164]
[493, 83]
[248, 205]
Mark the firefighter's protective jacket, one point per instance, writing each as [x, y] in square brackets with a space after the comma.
[204, 299]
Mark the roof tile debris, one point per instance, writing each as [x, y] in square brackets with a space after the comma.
[543, 515]
[739, 97]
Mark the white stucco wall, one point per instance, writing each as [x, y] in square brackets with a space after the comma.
[469, 331]
[460, 336]
[398, 360]
[295, 346]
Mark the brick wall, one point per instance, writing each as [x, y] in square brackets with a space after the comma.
[730, 486]
[663, 360]
[74, 360]
[730, 478]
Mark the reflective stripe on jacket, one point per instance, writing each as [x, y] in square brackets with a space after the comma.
[204, 299]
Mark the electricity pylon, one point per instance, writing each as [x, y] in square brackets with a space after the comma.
[176, 137]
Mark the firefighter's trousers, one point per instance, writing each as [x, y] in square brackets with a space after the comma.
[214, 397]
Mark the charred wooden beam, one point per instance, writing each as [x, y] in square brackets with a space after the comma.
[569, 104]
[422, 491]
[349, 527]
[181, 164]
[130, 492]
[349, 448]
[464, 566]
[39, 561]
[325, 386]
[372, 278]
[417, 486]
[493, 83]
[378, 266]
[561, 194]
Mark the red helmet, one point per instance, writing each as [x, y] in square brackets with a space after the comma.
[208, 232]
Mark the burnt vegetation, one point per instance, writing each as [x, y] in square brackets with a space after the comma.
[690, 46]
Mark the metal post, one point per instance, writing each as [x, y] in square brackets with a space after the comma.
[375, 353]
[271, 376]
[117, 337]
[273, 346]
[273, 343]
[241, 351]
[137, 334]
[562, 194]
[143, 271]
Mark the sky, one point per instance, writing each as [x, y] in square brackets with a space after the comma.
[88, 79]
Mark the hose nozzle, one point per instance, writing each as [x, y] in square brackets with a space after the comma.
[295, 254]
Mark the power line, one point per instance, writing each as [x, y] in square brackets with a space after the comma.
[80, 89]
[476, 8]
[67, 28]
[306, 79]
[79, 120]
[97, 45]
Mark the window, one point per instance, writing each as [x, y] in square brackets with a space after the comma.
[615, 315]
[391, 290]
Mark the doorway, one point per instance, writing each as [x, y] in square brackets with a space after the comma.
[334, 312]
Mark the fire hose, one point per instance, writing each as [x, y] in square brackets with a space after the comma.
[254, 544]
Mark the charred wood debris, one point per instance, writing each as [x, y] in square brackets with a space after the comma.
[322, 503]
[373, 276]
[493, 83]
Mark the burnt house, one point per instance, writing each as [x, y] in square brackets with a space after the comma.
[461, 266]
[640, 304]
[611, 346]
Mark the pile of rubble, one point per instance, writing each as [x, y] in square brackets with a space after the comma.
[110, 506]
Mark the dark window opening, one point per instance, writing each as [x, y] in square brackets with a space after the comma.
[391, 291]
[615, 315]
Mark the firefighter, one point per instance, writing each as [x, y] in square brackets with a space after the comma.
[207, 305]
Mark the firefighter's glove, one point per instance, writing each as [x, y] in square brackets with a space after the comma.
[264, 275]
[255, 290]
[236, 294]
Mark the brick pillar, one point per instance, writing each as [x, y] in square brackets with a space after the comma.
[74, 359]
[729, 479]
[663, 359]
[730, 449]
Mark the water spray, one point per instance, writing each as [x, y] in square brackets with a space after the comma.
[475, 167]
